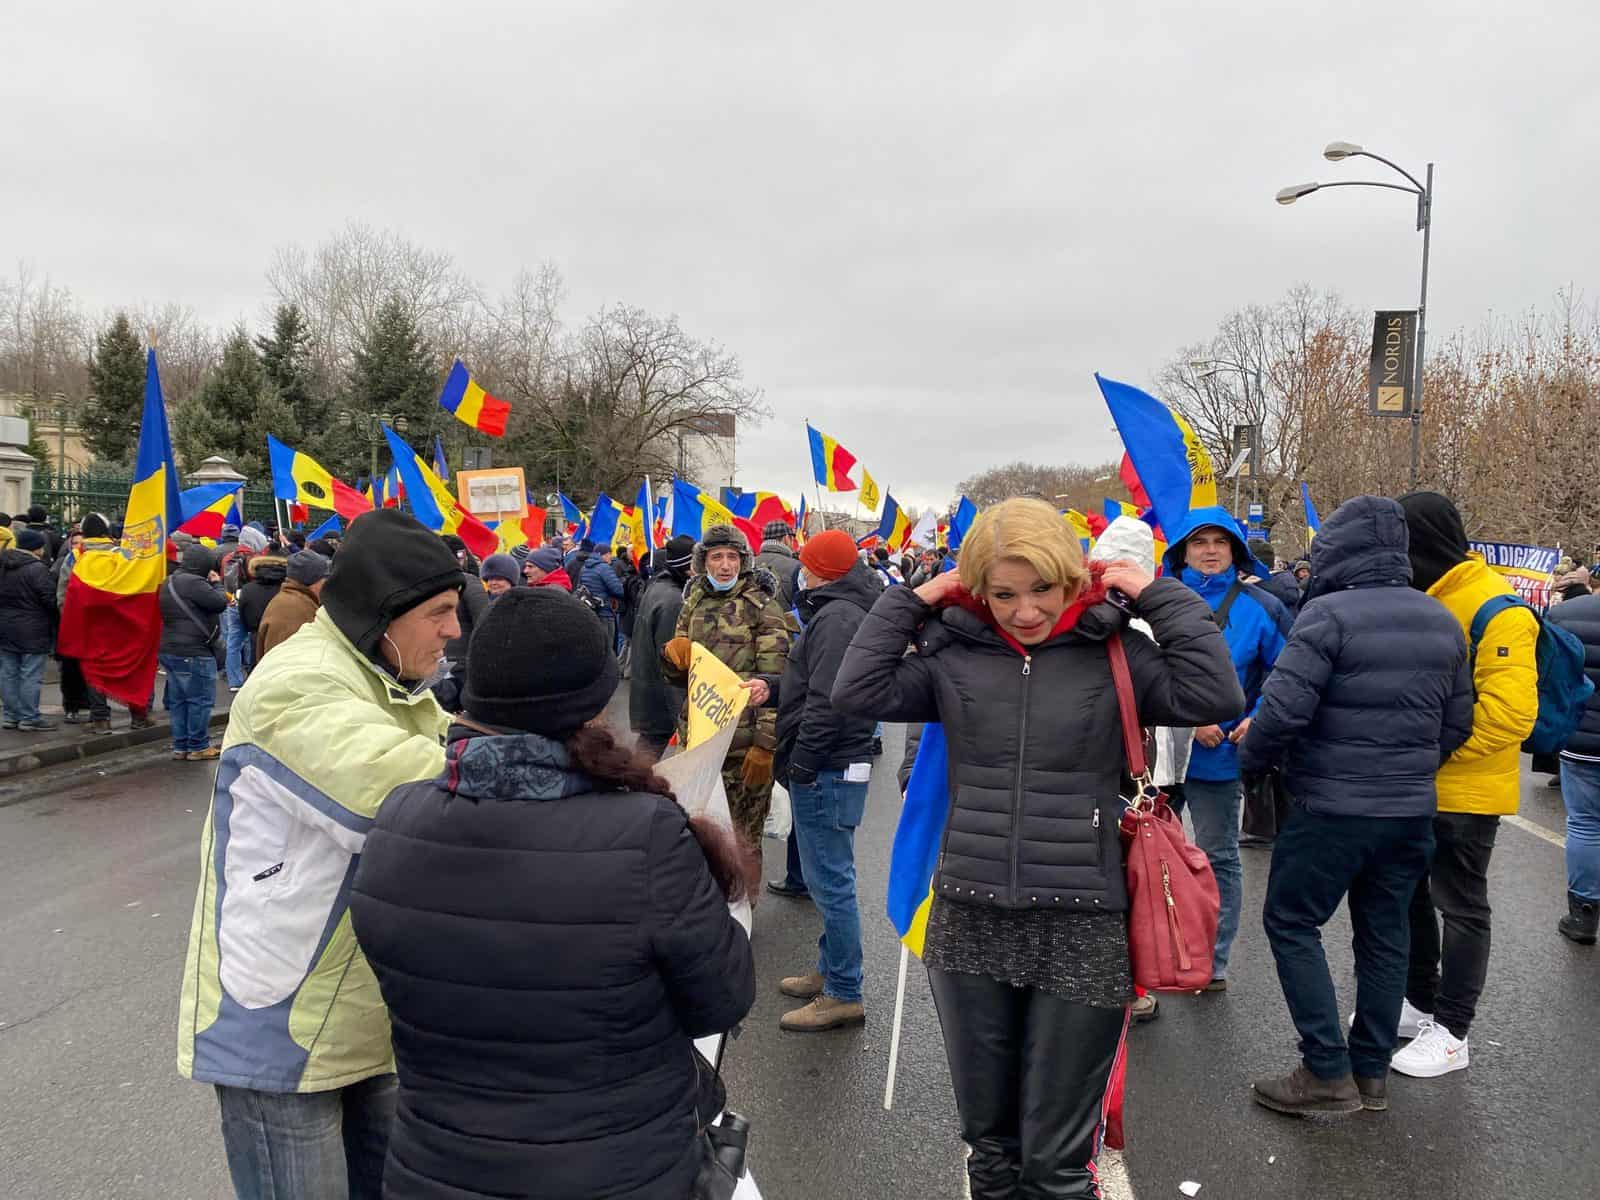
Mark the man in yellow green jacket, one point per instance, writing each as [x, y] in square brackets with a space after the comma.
[279, 1009]
[1480, 783]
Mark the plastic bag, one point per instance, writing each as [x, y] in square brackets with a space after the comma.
[780, 817]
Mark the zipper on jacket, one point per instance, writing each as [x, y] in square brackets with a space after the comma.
[1099, 847]
[1016, 799]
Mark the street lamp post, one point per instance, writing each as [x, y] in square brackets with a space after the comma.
[1423, 191]
[1213, 366]
[370, 426]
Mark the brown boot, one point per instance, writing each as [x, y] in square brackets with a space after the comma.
[802, 987]
[1301, 1092]
[824, 1013]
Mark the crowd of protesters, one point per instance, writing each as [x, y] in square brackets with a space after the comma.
[426, 836]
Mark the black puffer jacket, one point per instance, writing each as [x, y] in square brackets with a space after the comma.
[1581, 617]
[654, 704]
[1372, 692]
[546, 952]
[180, 636]
[267, 573]
[27, 604]
[813, 735]
[1035, 743]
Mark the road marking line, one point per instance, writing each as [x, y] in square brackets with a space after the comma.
[1538, 831]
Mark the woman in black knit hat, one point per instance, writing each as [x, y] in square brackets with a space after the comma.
[550, 931]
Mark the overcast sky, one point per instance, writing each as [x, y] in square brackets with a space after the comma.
[923, 225]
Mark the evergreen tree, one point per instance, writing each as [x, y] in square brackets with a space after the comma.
[110, 419]
[394, 375]
[233, 412]
[286, 359]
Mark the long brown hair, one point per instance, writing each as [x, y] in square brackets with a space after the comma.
[597, 752]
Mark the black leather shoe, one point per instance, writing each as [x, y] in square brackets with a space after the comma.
[782, 887]
[1374, 1093]
[1300, 1093]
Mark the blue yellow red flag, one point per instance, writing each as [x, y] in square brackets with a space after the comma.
[471, 405]
[111, 614]
[960, 521]
[831, 463]
[894, 531]
[432, 502]
[1313, 522]
[916, 840]
[693, 512]
[301, 479]
[1172, 464]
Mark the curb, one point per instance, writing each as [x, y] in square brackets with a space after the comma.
[56, 751]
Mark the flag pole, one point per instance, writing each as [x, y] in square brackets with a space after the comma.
[894, 1036]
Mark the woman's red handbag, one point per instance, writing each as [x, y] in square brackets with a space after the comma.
[1172, 896]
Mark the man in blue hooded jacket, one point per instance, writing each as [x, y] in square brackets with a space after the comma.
[1208, 554]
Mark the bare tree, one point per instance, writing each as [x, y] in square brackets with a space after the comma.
[1072, 486]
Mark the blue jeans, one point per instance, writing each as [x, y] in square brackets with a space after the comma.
[20, 678]
[308, 1145]
[826, 813]
[1214, 806]
[191, 693]
[1580, 790]
[238, 636]
[1316, 861]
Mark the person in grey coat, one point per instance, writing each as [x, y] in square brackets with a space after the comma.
[778, 556]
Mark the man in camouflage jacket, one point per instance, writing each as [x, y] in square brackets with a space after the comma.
[729, 608]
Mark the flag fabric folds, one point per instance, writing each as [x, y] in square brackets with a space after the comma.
[693, 512]
[441, 468]
[895, 528]
[1173, 465]
[573, 515]
[301, 479]
[1313, 522]
[926, 531]
[915, 853]
[471, 405]
[204, 510]
[329, 528]
[603, 520]
[870, 496]
[1120, 508]
[831, 463]
[432, 502]
[642, 521]
[800, 521]
[111, 617]
[961, 521]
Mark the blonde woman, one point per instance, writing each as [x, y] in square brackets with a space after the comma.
[1027, 950]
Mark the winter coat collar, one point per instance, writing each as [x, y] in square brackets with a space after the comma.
[1211, 587]
[779, 548]
[484, 765]
[1090, 616]
[859, 586]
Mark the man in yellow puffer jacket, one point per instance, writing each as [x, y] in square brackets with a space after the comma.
[1481, 782]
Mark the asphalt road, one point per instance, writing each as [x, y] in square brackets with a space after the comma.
[97, 885]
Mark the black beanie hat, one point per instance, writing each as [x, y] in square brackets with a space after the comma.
[387, 564]
[1438, 538]
[539, 661]
[94, 526]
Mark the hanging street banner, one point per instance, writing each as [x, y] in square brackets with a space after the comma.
[1392, 377]
[1528, 569]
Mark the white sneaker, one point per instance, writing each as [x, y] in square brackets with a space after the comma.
[1412, 1020]
[1435, 1052]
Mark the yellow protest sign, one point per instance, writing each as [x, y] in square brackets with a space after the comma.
[715, 698]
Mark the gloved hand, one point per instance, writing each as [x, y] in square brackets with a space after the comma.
[757, 767]
[676, 653]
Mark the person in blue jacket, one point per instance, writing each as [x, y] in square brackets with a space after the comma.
[1208, 555]
[601, 581]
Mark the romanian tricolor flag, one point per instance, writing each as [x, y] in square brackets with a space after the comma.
[204, 510]
[111, 619]
[573, 515]
[1172, 462]
[960, 521]
[693, 512]
[1313, 522]
[643, 519]
[831, 463]
[441, 468]
[916, 840]
[800, 515]
[895, 528]
[301, 479]
[1080, 526]
[1120, 508]
[604, 519]
[529, 531]
[472, 405]
[329, 528]
[432, 502]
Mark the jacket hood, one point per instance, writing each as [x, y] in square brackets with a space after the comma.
[770, 547]
[1127, 537]
[267, 568]
[511, 766]
[1200, 518]
[196, 560]
[12, 559]
[1438, 538]
[1363, 544]
[859, 586]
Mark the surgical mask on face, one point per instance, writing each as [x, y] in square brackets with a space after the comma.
[719, 585]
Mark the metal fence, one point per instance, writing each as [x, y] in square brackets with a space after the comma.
[71, 494]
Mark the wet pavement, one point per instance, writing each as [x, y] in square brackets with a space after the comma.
[97, 886]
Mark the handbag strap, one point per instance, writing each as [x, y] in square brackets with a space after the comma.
[1132, 731]
[211, 634]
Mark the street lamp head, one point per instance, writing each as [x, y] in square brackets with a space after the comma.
[401, 425]
[1336, 151]
[1292, 193]
[1199, 364]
